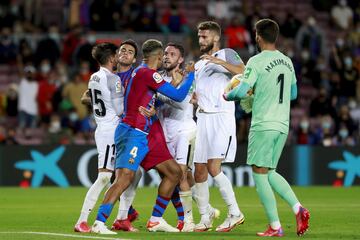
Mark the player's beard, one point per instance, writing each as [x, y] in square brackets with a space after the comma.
[170, 68]
[206, 49]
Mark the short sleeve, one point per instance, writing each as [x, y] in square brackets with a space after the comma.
[250, 73]
[153, 79]
[232, 57]
[293, 78]
[115, 87]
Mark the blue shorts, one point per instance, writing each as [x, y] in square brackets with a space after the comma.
[131, 147]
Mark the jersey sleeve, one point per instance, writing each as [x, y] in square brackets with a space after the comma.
[116, 93]
[232, 57]
[153, 79]
[250, 73]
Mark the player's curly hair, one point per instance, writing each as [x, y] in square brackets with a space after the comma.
[150, 46]
[210, 25]
[103, 51]
[267, 29]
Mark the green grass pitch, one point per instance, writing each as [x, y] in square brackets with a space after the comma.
[335, 214]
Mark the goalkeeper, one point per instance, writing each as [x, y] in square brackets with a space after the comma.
[272, 74]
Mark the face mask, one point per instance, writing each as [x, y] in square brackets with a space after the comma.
[352, 104]
[343, 133]
[73, 117]
[305, 55]
[304, 125]
[326, 125]
[348, 61]
[290, 54]
[340, 42]
[91, 39]
[54, 36]
[55, 126]
[45, 68]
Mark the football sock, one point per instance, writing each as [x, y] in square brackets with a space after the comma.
[93, 194]
[227, 193]
[186, 200]
[131, 209]
[127, 198]
[159, 208]
[175, 199]
[267, 197]
[104, 212]
[282, 187]
[202, 199]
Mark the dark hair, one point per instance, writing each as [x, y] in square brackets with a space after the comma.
[267, 29]
[103, 51]
[210, 25]
[177, 46]
[150, 46]
[131, 43]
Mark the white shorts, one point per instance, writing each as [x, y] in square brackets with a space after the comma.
[105, 145]
[215, 137]
[182, 147]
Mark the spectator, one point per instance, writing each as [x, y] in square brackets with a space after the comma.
[7, 47]
[322, 105]
[349, 78]
[344, 118]
[148, 17]
[312, 39]
[83, 52]
[46, 92]
[72, 92]
[12, 101]
[27, 105]
[223, 10]
[48, 47]
[304, 135]
[71, 42]
[237, 35]
[173, 20]
[101, 15]
[342, 15]
[25, 53]
[291, 26]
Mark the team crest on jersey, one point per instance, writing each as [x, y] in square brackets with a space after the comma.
[118, 86]
[157, 77]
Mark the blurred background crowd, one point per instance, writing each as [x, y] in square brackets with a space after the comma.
[45, 60]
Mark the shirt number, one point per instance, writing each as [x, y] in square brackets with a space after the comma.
[280, 80]
[95, 96]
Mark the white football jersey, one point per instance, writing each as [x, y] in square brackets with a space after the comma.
[107, 97]
[211, 80]
[175, 117]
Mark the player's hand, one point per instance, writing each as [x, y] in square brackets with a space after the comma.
[212, 59]
[190, 67]
[147, 112]
[85, 98]
[177, 76]
[194, 99]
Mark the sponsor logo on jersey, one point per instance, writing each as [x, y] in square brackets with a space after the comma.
[118, 86]
[131, 161]
[157, 77]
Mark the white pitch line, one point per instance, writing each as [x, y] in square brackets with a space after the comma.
[63, 235]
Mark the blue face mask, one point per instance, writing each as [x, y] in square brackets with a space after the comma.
[348, 61]
[343, 133]
[326, 125]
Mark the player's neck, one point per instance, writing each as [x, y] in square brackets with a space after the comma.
[108, 67]
[269, 47]
[124, 68]
[151, 64]
[213, 50]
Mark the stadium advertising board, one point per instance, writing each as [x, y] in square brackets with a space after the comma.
[69, 165]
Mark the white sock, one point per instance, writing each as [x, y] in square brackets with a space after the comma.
[227, 193]
[127, 198]
[93, 194]
[186, 200]
[275, 225]
[193, 191]
[202, 199]
[296, 207]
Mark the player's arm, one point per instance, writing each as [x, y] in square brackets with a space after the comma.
[293, 94]
[246, 85]
[85, 98]
[232, 63]
[178, 105]
[177, 94]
